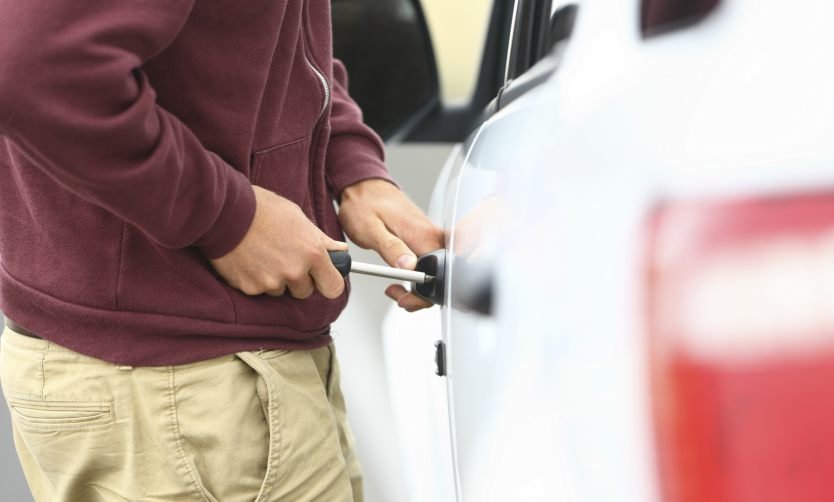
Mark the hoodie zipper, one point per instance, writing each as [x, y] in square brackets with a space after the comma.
[313, 145]
[325, 86]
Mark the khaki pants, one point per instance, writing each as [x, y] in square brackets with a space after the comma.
[254, 426]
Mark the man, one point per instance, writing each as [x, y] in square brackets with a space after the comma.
[168, 175]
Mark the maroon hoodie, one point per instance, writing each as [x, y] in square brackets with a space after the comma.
[132, 133]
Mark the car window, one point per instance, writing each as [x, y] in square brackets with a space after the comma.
[539, 26]
[458, 29]
[399, 80]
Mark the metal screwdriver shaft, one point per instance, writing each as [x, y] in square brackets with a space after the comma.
[343, 262]
[390, 273]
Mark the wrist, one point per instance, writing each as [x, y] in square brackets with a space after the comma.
[367, 187]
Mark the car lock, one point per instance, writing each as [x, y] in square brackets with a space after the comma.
[427, 279]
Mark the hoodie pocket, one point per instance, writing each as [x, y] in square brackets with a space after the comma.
[285, 170]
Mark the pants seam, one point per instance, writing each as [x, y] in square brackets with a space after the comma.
[178, 438]
[275, 438]
[328, 386]
[272, 474]
[43, 373]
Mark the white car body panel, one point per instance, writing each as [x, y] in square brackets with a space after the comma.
[549, 398]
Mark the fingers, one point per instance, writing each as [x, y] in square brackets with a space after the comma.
[396, 240]
[326, 277]
[301, 287]
[282, 252]
[401, 239]
[276, 292]
[390, 247]
[405, 220]
[318, 274]
[395, 292]
[408, 301]
[419, 233]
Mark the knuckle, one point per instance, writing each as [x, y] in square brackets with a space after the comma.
[319, 255]
[310, 254]
[271, 284]
[296, 275]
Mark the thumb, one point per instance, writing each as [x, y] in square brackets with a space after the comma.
[391, 248]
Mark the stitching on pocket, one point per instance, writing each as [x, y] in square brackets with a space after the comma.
[282, 145]
[55, 415]
[256, 171]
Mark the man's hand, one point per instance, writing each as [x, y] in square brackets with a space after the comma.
[283, 250]
[377, 215]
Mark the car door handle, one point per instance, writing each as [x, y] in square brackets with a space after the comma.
[473, 285]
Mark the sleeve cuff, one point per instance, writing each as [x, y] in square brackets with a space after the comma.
[234, 219]
[352, 159]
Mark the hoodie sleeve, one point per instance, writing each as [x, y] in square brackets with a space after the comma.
[355, 152]
[74, 99]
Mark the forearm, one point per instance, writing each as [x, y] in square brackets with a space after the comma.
[356, 152]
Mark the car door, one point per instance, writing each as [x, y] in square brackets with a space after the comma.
[477, 354]
[400, 100]
[670, 148]
[467, 203]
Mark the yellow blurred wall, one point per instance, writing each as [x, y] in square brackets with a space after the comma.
[458, 30]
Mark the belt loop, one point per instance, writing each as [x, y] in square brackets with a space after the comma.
[269, 376]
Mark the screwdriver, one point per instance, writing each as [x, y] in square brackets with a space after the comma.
[344, 264]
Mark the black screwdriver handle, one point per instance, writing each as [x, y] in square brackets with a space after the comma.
[341, 260]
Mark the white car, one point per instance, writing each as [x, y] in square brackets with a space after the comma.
[639, 283]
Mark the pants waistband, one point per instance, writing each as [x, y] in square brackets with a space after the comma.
[20, 330]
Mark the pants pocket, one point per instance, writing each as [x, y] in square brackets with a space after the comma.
[59, 415]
